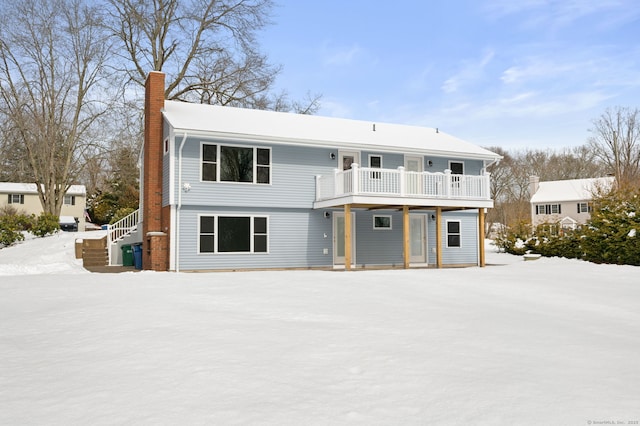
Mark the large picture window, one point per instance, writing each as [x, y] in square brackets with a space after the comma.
[223, 163]
[233, 234]
[453, 233]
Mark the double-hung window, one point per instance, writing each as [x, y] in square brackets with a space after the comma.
[548, 209]
[226, 163]
[16, 198]
[69, 200]
[233, 234]
[584, 208]
[453, 233]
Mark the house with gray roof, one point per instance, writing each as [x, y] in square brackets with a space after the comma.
[236, 189]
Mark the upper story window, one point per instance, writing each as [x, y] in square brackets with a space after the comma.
[584, 207]
[16, 198]
[548, 209]
[69, 200]
[226, 163]
[456, 167]
[375, 162]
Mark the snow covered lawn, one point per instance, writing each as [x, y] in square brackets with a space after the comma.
[550, 342]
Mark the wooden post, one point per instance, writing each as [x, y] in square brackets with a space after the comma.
[405, 233]
[347, 237]
[439, 237]
[481, 236]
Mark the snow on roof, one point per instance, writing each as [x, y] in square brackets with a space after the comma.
[30, 188]
[281, 127]
[570, 190]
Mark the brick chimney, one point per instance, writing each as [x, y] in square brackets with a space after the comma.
[156, 220]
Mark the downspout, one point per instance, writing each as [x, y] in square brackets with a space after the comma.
[177, 235]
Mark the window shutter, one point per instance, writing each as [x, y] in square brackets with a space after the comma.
[578, 207]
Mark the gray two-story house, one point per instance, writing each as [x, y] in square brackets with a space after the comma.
[233, 189]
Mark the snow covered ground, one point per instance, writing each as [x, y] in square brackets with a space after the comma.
[548, 342]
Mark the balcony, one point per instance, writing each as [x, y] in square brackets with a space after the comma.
[397, 187]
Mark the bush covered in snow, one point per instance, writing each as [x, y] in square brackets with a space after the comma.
[13, 224]
[610, 236]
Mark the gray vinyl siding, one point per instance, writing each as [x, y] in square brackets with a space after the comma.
[389, 161]
[379, 247]
[467, 253]
[440, 164]
[293, 171]
[296, 238]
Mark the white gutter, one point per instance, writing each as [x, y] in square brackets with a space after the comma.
[177, 233]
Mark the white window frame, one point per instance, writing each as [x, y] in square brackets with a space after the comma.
[459, 233]
[255, 163]
[252, 234]
[376, 226]
[456, 162]
[584, 207]
[71, 200]
[12, 198]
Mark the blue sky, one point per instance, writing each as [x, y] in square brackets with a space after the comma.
[510, 73]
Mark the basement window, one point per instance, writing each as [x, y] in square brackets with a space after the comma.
[233, 234]
[453, 233]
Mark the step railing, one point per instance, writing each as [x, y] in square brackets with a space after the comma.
[122, 228]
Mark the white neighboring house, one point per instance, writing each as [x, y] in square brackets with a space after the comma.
[567, 202]
[24, 197]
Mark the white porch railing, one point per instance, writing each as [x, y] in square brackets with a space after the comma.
[121, 229]
[401, 183]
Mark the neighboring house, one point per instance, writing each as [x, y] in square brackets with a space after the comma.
[230, 189]
[565, 202]
[24, 198]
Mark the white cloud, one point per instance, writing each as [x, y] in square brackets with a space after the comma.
[471, 71]
[343, 55]
[559, 13]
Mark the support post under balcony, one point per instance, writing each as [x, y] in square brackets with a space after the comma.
[406, 247]
[347, 237]
[481, 237]
[439, 237]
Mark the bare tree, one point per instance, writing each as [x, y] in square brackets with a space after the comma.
[51, 57]
[615, 141]
[207, 48]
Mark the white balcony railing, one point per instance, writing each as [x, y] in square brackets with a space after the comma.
[401, 183]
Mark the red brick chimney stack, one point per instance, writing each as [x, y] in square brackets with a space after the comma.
[155, 227]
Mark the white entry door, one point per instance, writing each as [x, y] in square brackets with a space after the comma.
[414, 180]
[338, 238]
[417, 239]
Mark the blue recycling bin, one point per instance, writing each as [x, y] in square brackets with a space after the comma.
[137, 255]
